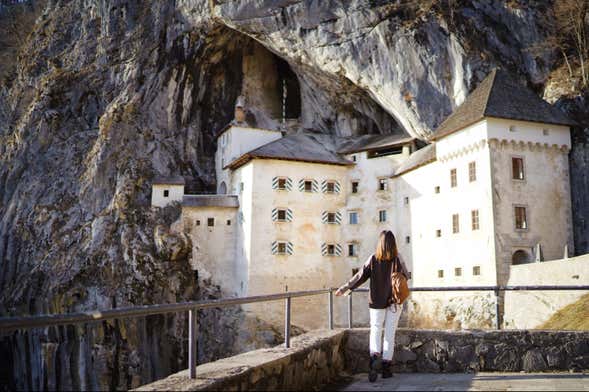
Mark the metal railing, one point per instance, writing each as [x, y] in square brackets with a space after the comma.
[43, 321]
[495, 289]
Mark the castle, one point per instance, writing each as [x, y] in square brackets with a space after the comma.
[304, 209]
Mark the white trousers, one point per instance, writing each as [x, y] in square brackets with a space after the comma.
[384, 320]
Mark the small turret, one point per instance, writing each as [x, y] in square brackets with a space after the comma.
[240, 110]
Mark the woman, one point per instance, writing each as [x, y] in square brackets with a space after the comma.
[384, 314]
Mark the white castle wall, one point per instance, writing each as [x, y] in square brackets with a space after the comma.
[176, 192]
[529, 309]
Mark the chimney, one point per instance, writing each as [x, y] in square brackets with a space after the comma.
[240, 109]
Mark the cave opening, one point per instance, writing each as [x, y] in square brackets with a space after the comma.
[288, 88]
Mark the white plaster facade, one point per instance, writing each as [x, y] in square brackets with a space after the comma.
[164, 194]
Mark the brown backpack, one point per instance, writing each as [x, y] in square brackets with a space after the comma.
[399, 284]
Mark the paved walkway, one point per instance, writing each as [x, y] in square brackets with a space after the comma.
[472, 382]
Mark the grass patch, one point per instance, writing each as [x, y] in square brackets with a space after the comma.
[572, 317]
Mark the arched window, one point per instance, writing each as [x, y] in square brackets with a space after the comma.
[520, 257]
[223, 188]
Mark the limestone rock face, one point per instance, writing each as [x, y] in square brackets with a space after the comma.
[110, 93]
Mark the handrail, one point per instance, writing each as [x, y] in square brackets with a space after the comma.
[11, 323]
[43, 321]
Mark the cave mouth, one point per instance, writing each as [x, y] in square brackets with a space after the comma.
[288, 86]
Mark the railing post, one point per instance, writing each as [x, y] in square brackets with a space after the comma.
[350, 310]
[287, 323]
[192, 339]
[497, 322]
[330, 309]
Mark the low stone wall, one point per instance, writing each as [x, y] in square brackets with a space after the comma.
[435, 351]
[314, 359]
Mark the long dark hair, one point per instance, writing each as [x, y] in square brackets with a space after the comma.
[386, 249]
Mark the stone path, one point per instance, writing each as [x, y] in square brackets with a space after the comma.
[472, 382]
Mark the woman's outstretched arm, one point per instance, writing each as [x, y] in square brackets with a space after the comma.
[356, 280]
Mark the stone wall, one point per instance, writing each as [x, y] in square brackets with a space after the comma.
[314, 359]
[434, 351]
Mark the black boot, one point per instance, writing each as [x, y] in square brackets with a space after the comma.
[387, 369]
[372, 372]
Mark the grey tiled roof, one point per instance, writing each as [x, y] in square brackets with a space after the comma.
[499, 95]
[306, 147]
[171, 180]
[419, 158]
[230, 201]
[372, 142]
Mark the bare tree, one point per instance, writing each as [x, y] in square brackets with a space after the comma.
[571, 19]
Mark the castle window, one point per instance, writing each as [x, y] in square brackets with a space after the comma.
[453, 180]
[353, 158]
[455, 223]
[198, 222]
[382, 184]
[406, 200]
[211, 222]
[308, 186]
[472, 171]
[407, 239]
[352, 250]
[521, 222]
[166, 193]
[353, 217]
[437, 189]
[331, 217]
[474, 214]
[440, 273]
[281, 183]
[331, 249]
[438, 233]
[458, 271]
[281, 215]
[330, 187]
[382, 216]
[241, 186]
[476, 270]
[354, 186]
[517, 168]
[281, 250]
[545, 132]
[228, 222]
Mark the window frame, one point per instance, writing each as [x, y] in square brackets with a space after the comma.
[331, 221]
[523, 168]
[437, 189]
[278, 211]
[278, 187]
[440, 274]
[526, 217]
[305, 182]
[438, 233]
[353, 246]
[350, 217]
[453, 178]
[476, 270]
[166, 193]
[329, 183]
[472, 171]
[332, 247]
[356, 187]
[382, 214]
[458, 271]
[383, 184]
[455, 223]
[475, 220]
[210, 222]
[280, 244]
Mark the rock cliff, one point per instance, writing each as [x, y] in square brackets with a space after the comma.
[110, 93]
